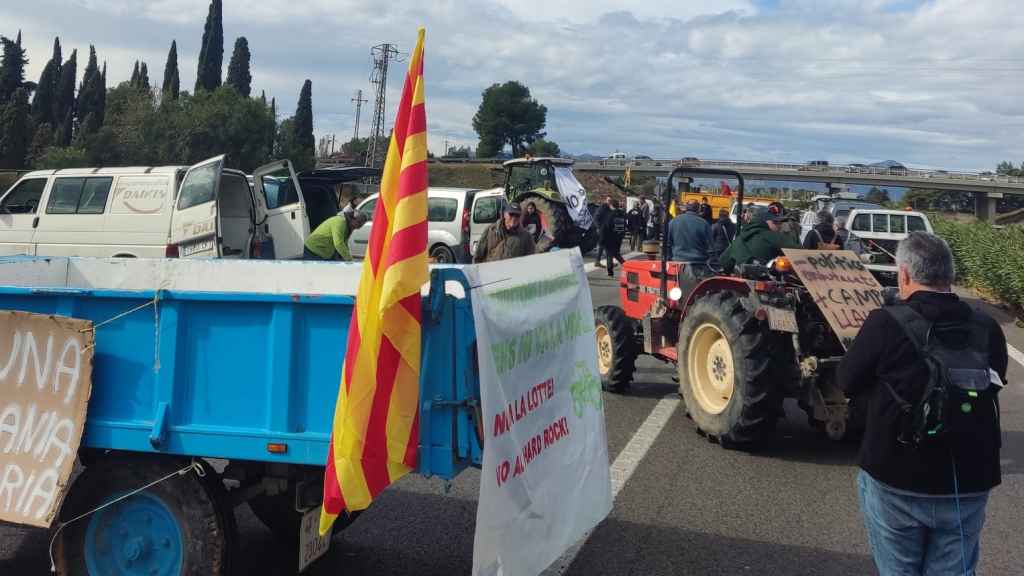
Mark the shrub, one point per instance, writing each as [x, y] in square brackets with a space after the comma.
[988, 258]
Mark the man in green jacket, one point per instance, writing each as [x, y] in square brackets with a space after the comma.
[505, 238]
[758, 240]
[330, 239]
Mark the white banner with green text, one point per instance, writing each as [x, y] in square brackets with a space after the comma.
[544, 480]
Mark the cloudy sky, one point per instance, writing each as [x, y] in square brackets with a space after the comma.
[936, 83]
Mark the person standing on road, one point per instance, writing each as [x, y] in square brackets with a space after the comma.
[600, 218]
[705, 210]
[722, 233]
[531, 221]
[330, 239]
[505, 238]
[823, 235]
[923, 495]
[759, 240]
[842, 234]
[647, 215]
[689, 236]
[612, 234]
[636, 226]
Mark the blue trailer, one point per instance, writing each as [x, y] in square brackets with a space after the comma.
[234, 366]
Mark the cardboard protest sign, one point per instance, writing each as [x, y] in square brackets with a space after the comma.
[45, 383]
[545, 480]
[840, 285]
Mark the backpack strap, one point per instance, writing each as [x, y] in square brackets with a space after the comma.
[916, 328]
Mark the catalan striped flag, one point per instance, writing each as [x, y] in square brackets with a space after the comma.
[376, 420]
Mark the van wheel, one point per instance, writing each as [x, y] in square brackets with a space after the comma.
[442, 254]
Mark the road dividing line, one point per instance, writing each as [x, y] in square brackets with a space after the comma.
[622, 469]
[1015, 354]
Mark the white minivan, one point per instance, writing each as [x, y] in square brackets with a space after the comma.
[451, 223]
[175, 211]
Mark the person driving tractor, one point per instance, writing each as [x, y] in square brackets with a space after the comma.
[759, 240]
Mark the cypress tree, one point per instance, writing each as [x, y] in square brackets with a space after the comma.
[91, 97]
[304, 142]
[12, 68]
[64, 103]
[172, 83]
[46, 92]
[273, 126]
[211, 55]
[144, 78]
[239, 75]
[14, 129]
[134, 81]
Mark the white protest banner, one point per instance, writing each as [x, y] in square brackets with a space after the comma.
[45, 383]
[544, 480]
[842, 287]
[575, 196]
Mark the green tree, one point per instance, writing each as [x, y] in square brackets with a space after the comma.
[272, 134]
[12, 68]
[920, 198]
[542, 147]
[508, 115]
[284, 141]
[134, 80]
[305, 145]
[14, 130]
[42, 140]
[211, 54]
[172, 82]
[46, 91]
[60, 157]
[238, 70]
[64, 104]
[1009, 169]
[91, 97]
[877, 196]
[144, 78]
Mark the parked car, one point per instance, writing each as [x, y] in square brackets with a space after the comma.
[450, 225]
[839, 208]
[815, 165]
[875, 233]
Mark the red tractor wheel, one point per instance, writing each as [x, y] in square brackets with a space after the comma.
[725, 375]
[616, 347]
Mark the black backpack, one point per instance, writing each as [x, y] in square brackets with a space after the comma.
[959, 400]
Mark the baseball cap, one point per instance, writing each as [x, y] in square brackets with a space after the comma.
[513, 208]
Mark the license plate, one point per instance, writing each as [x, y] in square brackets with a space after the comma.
[197, 247]
[782, 320]
[311, 544]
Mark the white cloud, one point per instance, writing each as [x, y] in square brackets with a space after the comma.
[935, 83]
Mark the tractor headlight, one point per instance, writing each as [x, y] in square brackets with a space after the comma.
[675, 294]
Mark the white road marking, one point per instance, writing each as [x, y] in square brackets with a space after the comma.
[622, 469]
[1015, 354]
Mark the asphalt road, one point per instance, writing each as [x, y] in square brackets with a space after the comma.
[689, 508]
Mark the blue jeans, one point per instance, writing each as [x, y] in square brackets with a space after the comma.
[920, 535]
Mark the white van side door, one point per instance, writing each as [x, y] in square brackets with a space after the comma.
[486, 210]
[19, 216]
[194, 220]
[286, 208]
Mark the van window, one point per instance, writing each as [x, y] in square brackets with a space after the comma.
[880, 222]
[916, 224]
[485, 210]
[862, 223]
[441, 209]
[897, 223]
[279, 189]
[24, 198]
[367, 208]
[199, 187]
[79, 195]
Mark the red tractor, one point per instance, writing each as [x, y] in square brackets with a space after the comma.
[741, 343]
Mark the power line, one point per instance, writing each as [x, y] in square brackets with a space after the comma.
[359, 106]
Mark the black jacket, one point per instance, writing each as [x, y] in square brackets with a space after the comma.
[722, 233]
[820, 233]
[601, 216]
[609, 237]
[882, 352]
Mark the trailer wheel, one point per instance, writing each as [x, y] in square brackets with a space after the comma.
[175, 527]
[725, 371]
[616, 348]
[557, 221]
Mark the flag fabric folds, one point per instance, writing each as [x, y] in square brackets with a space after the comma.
[375, 434]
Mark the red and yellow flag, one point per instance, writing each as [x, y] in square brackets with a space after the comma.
[376, 420]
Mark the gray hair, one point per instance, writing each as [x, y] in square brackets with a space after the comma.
[928, 259]
[841, 222]
[825, 217]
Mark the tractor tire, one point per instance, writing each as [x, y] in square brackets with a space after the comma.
[558, 224]
[726, 378]
[616, 348]
[178, 526]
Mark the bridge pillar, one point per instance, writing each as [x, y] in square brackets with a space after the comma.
[985, 205]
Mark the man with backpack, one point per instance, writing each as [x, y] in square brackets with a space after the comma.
[612, 233]
[823, 236]
[927, 371]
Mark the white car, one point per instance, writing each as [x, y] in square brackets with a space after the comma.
[875, 234]
[455, 217]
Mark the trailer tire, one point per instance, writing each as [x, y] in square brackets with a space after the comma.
[177, 526]
[559, 225]
[726, 377]
[616, 347]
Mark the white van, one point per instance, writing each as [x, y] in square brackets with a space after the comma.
[875, 234]
[449, 227]
[176, 211]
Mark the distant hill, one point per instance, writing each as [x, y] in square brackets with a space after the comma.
[885, 164]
